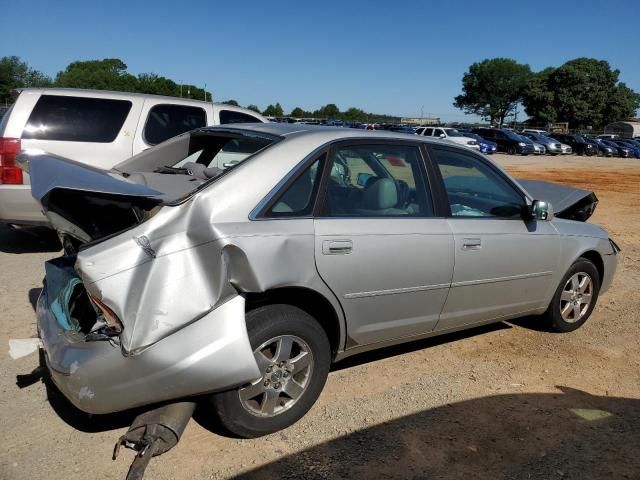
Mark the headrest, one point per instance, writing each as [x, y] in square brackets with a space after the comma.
[381, 194]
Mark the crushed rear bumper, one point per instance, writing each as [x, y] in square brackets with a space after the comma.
[212, 353]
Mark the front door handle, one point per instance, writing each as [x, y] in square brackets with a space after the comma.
[337, 247]
[471, 244]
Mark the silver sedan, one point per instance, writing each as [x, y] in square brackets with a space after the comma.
[239, 263]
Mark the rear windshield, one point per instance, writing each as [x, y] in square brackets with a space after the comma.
[76, 119]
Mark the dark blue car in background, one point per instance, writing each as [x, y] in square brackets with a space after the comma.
[486, 146]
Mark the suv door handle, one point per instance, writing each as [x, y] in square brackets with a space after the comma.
[337, 247]
[471, 244]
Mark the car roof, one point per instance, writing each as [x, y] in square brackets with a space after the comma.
[323, 134]
[85, 92]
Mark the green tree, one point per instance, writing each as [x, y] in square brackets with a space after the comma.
[253, 107]
[354, 114]
[584, 92]
[157, 85]
[273, 110]
[330, 110]
[106, 74]
[14, 73]
[492, 88]
[299, 113]
[231, 102]
[538, 100]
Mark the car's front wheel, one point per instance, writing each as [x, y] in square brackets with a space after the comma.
[575, 297]
[293, 354]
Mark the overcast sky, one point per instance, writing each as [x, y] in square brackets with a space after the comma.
[400, 58]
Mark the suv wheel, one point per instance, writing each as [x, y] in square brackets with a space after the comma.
[511, 150]
[293, 354]
[575, 297]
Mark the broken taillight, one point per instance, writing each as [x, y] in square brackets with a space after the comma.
[10, 173]
[109, 317]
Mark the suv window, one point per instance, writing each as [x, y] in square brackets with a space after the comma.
[229, 116]
[298, 199]
[166, 121]
[428, 132]
[76, 119]
[437, 132]
[377, 180]
[474, 189]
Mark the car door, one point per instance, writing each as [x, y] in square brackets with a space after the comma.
[503, 261]
[378, 244]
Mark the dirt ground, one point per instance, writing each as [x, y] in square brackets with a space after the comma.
[506, 401]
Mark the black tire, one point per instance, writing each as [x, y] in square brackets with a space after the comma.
[263, 324]
[511, 150]
[553, 315]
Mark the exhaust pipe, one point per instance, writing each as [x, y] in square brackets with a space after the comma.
[154, 433]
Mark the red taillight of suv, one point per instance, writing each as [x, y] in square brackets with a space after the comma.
[10, 173]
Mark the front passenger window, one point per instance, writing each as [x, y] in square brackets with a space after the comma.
[474, 189]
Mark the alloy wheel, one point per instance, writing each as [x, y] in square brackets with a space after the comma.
[576, 297]
[286, 363]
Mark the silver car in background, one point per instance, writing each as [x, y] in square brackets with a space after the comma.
[238, 263]
[551, 146]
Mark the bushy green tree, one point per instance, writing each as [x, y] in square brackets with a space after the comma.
[14, 73]
[329, 110]
[274, 111]
[231, 102]
[584, 92]
[253, 107]
[106, 74]
[492, 88]
[354, 115]
[299, 113]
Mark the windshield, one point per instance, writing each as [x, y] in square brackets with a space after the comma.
[512, 136]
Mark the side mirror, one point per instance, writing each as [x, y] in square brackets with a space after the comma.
[442, 135]
[541, 210]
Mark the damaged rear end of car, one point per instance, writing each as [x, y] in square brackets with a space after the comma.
[141, 307]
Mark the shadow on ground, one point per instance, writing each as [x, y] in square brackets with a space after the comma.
[28, 240]
[568, 435]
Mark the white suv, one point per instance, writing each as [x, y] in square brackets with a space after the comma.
[448, 134]
[96, 127]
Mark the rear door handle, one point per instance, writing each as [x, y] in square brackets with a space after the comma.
[471, 244]
[337, 247]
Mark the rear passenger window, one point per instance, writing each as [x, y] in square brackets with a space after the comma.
[377, 181]
[76, 119]
[167, 121]
[298, 199]
[229, 116]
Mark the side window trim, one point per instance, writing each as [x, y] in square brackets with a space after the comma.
[321, 198]
[443, 193]
[260, 212]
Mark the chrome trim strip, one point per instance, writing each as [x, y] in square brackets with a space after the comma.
[501, 279]
[393, 291]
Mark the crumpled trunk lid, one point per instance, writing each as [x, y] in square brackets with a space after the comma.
[87, 203]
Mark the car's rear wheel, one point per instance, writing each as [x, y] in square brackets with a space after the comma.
[575, 297]
[293, 354]
[511, 150]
